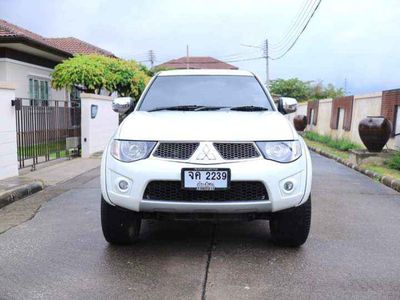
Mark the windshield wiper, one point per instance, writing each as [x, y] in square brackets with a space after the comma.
[210, 108]
[249, 108]
[178, 107]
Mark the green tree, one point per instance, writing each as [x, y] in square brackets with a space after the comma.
[91, 73]
[85, 72]
[304, 90]
[330, 91]
[153, 71]
[124, 77]
[293, 87]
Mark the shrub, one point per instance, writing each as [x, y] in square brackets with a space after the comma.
[340, 144]
[85, 72]
[124, 77]
[91, 73]
[394, 161]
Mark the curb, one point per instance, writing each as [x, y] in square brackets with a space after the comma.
[386, 180]
[19, 192]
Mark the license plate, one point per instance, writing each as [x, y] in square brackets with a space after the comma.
[205, 179]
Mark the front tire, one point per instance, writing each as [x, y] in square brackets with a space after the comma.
[120, 227]
[291, 227]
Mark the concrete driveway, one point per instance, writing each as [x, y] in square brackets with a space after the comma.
[353, 250]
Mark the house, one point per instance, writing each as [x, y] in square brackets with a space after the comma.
[197, 62]
[27, 59]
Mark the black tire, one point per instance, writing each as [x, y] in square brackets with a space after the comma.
[291, 227]
[120, 227]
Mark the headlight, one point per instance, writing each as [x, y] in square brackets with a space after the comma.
[128, 151]
[283, 151]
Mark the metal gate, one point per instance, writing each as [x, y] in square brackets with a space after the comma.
[46, 130]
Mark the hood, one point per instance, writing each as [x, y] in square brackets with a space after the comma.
[206, 126]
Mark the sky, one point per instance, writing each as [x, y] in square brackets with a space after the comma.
[357, 41]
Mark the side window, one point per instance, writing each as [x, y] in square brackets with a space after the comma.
[38, 89]
[30, 88]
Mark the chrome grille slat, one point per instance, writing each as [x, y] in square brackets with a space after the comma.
[175, 150]
[235, 151]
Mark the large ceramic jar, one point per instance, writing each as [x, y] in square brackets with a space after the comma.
[300, 122]
[374, 132]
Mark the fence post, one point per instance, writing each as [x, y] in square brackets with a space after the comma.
[8, 132]
[98, 123]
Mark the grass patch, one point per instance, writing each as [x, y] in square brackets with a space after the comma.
[394, 161]
[383, 170]
[340, 148]
[339, 144]
[50, 149]
[325, 148]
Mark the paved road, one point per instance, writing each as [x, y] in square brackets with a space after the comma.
[353, 250]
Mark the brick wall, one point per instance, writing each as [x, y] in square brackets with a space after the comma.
[390, 102]
[347, 104]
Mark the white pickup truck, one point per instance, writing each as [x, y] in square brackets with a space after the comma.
[206, 145]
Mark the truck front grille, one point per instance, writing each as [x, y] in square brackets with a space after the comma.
[238, 191]
[175, 150]
[234, 151]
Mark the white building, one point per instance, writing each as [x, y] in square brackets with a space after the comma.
[27, 59]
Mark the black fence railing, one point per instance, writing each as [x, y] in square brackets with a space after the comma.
[45, 129]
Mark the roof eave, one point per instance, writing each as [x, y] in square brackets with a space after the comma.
[35, 44]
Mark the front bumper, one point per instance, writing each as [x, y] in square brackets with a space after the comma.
[271, 174]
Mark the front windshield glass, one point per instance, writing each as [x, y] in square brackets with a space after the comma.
[205, 90]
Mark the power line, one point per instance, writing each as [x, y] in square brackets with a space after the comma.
[298, 36]
[244, 59]
[296, 24]
[238, 55]
[265, 49]
[301, 21]
[287, 43]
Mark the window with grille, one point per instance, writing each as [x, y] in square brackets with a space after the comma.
[39, 89]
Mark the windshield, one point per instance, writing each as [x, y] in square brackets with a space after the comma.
[222, 91]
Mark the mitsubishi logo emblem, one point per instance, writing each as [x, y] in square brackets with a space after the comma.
[206, 154]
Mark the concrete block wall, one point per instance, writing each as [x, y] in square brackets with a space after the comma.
[324, 114]
[97, 131]
[8, 137]
[363, 106]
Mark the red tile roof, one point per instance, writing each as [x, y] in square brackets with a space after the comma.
[197, 62]
[74, 46]
[68, 45]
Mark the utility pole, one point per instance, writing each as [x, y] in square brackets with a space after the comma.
[266, 55]
[265, 50]
[152, 58]
[187, 56]
[345, 86]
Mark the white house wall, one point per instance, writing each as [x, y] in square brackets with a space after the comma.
[3, 74]
[8, 139]
[96, 132]
[19, 73]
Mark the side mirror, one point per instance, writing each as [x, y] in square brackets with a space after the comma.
[122, 104]
[287, 105]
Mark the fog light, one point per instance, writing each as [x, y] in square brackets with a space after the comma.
[288, 186]
[123, 185]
